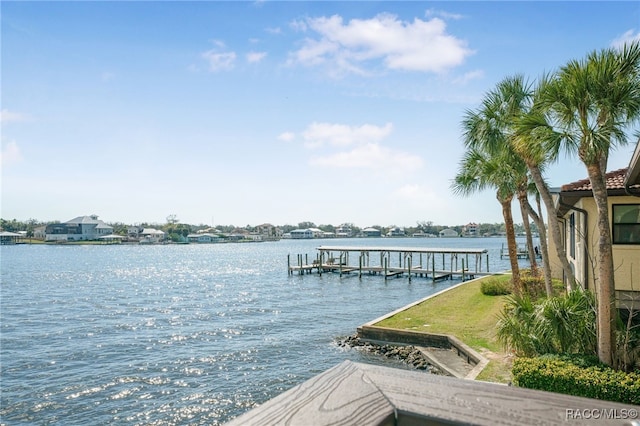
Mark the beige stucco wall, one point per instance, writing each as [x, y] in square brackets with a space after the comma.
[626, 258]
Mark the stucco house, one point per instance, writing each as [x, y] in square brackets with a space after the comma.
[204, 238]
[269, 231]
[81, 228]
[470, 229]
[302, 234]
[371, 232]
[577, 214]
[448, 233]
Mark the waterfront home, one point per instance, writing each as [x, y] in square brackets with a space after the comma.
[152, 236]
[7, 237]
[269, 232]
[396, 232]
[204, 238]
[301, 234]
[81, 228]
[146, 235]
[40, 233]
[577, 214]
[448, 233]
[344, 231]
[470, 229]
[371, 232]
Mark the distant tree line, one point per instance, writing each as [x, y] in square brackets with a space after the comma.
[174, 229]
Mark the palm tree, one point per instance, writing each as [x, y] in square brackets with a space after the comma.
[493, 128]
[530, 139]
[480, 170]
[588, 106]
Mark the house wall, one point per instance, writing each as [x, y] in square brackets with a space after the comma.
[626, 258]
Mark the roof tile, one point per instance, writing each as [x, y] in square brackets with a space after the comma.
[614, 180]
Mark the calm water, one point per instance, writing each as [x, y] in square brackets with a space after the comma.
[179, 334]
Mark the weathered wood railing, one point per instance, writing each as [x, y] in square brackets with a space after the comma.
[361, 394]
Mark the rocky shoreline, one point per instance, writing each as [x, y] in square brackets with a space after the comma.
[410, 355]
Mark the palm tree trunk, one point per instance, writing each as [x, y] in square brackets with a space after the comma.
[511, 243]
[605, 286]
[536, 174]
[524, 202]
[544, 249]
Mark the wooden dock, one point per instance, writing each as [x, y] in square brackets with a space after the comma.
[521, 252]
[434, 263]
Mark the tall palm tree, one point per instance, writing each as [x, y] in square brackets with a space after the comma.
[493, 128]
[525, 209]
[530, 139]
[544, 249]
[481, 170]
[588, 106]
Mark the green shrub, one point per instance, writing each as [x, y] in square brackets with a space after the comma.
[577, 376]
[563, 324]
[533, 285]
[495, 287]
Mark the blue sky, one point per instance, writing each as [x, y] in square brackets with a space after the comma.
[250, 112]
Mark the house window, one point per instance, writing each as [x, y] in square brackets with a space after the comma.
[626, 224]
[572, 235]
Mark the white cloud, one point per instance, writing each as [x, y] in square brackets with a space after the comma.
[469, 76]
[370, 156]
[355, 147]
[318, 134]
[441, 13]
[218, 59]
[286, 136]
[10, 154]
[274, 30]
[253, 57]
[399, 45]
[627, 37]
[7, 116]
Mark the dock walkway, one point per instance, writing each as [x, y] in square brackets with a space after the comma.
[434, 263]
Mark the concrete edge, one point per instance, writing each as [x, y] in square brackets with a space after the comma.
[403, 337]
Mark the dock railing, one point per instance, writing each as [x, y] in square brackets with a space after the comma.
[433, 263]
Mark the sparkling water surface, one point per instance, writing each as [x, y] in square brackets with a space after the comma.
[181, 334]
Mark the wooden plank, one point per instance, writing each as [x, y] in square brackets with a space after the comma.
[339, 396]
[359, 394]
[460, 401]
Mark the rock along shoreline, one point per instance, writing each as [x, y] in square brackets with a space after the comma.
[409, 355]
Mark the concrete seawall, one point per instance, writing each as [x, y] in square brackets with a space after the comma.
[448, 353]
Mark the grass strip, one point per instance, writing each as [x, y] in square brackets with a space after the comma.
[469, 315]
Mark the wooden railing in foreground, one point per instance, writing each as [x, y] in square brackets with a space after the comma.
[361, 394]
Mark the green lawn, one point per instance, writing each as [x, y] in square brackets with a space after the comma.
[467, 314]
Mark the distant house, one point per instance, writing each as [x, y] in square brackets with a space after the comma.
[396, 232]
[239, 234]
[344, 231]
[371, 232]
[448, 233]
[269, 232]
[152, 236]
[203, 238]
[40, 233]
[317, 233]
[81, 228]
[577, 214]
[7, 237]
[146, 235]
[302, 234]
[470, 229]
